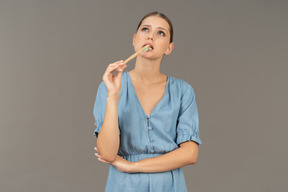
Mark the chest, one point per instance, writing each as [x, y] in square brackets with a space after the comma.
[149, 96]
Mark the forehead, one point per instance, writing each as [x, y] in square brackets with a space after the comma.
[156, 21]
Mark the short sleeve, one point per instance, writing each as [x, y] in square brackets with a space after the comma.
[100, 107]
[188, 119]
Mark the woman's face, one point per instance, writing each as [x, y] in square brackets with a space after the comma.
[153, 31]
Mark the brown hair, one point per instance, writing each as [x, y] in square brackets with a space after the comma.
[155, 13]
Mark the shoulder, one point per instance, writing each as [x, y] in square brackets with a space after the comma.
[181, 84]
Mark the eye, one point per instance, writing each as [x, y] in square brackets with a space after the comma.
[161, 33]
[144, 29]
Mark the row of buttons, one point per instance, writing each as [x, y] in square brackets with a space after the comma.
[149, 128]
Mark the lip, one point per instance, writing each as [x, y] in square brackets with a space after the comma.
[150, 45]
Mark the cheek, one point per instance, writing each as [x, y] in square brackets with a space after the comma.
[165, 44]
[139, 37]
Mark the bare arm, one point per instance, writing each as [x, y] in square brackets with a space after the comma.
[185, 155]
[108, 137]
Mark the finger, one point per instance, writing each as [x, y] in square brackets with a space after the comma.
[112, 68]
[97, 155]
[123, 67]
[95, 148]
[120, 70]
[120, 62]
[116, 63]
[102, 160]
[109, 73]
[113, 65]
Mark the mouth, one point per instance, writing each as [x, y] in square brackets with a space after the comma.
[150, 45]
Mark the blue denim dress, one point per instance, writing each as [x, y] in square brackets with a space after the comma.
[173, 120]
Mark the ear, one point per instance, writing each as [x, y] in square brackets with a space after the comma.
[169, 49]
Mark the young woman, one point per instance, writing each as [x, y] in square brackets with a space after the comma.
[146, 122]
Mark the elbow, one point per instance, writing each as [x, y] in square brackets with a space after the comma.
[106, 154]
[106, 151]
[190, 152]
[108, 157]
[193, 157]
[193, 160]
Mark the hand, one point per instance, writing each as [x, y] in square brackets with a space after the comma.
[113, 83]
[120, 163]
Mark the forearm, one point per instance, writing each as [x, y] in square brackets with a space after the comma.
[108, 137]
[175, 159]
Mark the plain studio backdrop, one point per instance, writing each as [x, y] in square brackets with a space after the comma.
[53, 55]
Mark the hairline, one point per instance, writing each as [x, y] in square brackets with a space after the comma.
[161, 15]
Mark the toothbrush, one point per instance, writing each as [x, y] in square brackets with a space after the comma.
[146, 48]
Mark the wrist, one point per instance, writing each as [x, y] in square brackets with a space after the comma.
[113, 97]
[113, 94]
[135, 167]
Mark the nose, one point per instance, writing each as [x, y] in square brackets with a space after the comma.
[150, 36]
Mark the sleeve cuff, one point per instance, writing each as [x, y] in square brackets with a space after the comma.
[98, 128]
[183, 138]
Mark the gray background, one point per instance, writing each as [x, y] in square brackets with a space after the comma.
[53, 54]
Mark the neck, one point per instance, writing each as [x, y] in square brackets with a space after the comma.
[147, 71]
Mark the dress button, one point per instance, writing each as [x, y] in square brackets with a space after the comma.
[149, 128]
[152, 151]
[148, 116]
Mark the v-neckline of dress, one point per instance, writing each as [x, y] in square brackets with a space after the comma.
[158, 103]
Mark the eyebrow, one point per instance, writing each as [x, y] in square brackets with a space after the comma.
[157, 27]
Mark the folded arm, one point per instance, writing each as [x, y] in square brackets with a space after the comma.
[186, 154]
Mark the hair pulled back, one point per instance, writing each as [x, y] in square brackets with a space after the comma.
[161, 15]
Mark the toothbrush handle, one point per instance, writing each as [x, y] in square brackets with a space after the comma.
[135, 54]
